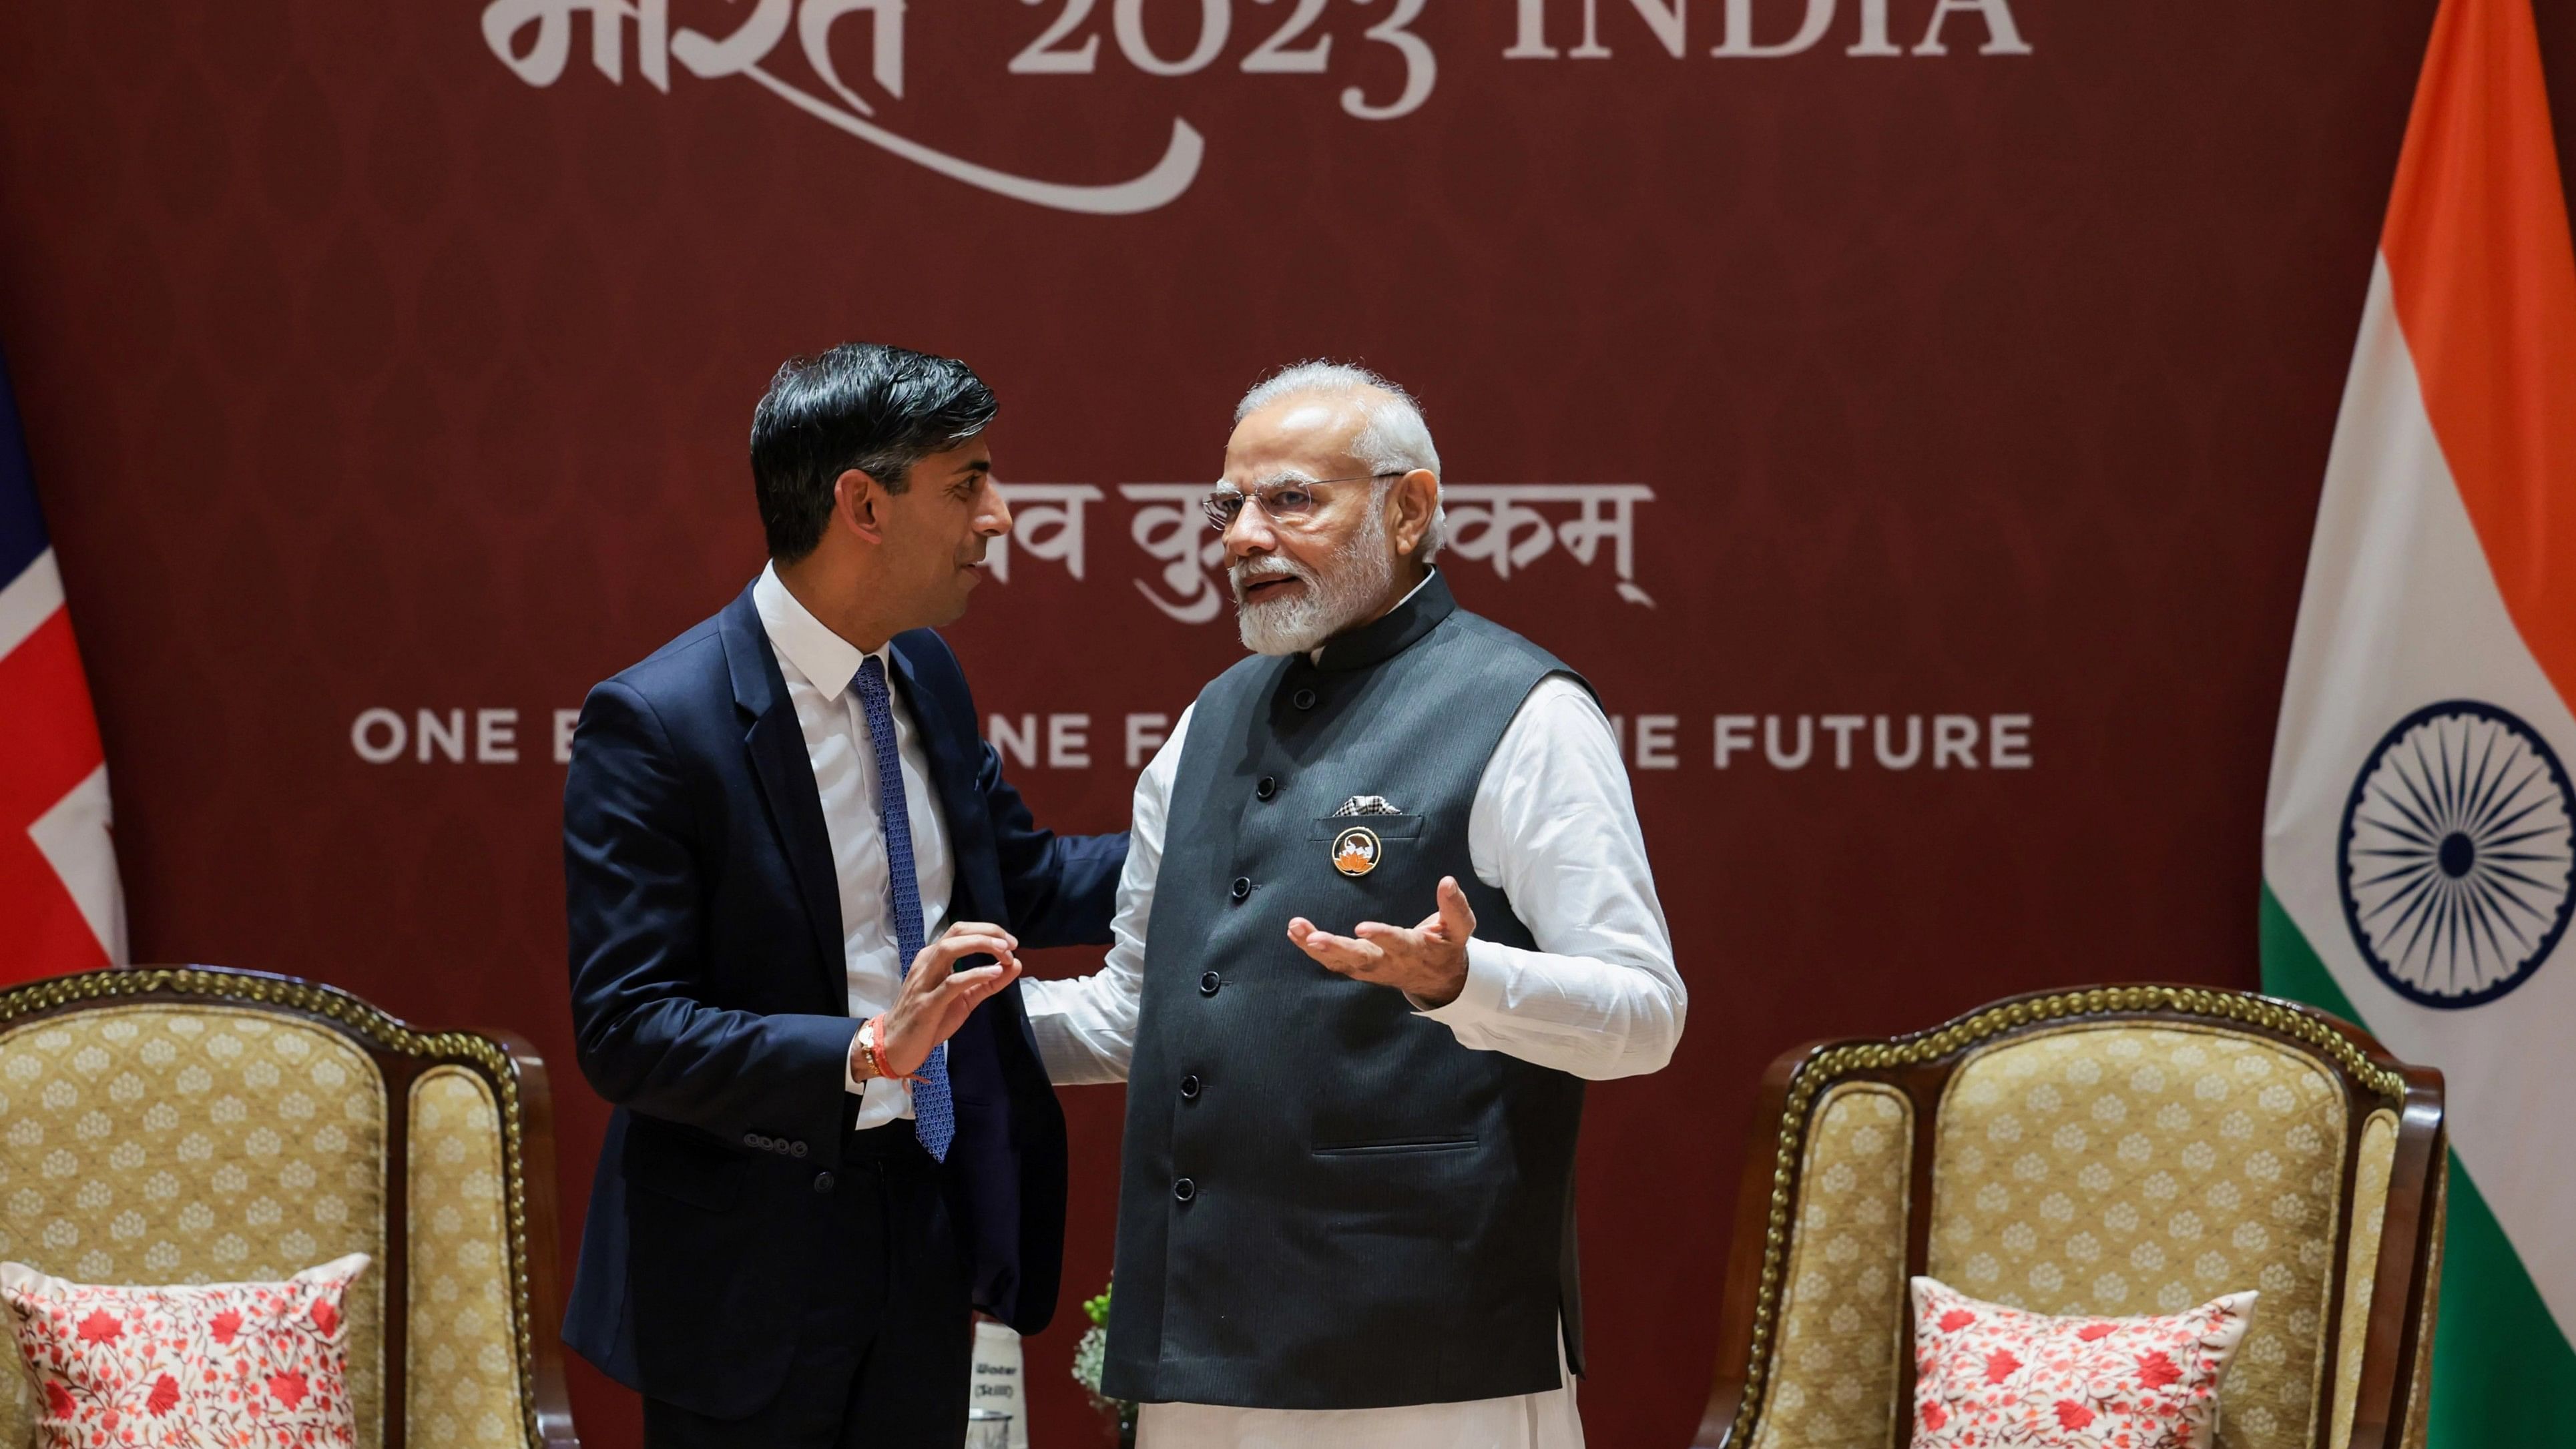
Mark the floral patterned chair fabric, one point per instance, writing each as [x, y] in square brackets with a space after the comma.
[194, 1125]
[2114, 1151]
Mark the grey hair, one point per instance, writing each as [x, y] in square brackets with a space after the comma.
[1394, 439]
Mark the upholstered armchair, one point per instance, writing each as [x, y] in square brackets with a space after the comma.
[194, 1125]
[2121, 1150]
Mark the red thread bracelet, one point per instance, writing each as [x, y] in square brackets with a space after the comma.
[873, 1044]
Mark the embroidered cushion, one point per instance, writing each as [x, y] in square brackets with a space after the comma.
[237, 1365]
[1989, 1375]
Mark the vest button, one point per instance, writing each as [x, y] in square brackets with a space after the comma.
[1190, 1087]
[1184, 1189]
[1243, 887]
[1268, 787]
[823, 1182]
[1208, 984]
[1303, 699]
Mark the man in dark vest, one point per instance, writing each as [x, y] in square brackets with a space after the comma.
[1347, 1208]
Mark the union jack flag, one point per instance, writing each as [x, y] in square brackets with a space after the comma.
[60, 906]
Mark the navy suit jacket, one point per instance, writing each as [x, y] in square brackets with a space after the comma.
[711, 1006]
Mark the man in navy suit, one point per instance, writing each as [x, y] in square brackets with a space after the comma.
[797, 885]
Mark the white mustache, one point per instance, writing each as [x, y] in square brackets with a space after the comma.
[1254, 571]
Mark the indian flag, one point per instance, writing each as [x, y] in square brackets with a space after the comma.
[2419, 836]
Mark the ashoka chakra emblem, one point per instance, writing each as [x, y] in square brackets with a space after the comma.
[2458, 854]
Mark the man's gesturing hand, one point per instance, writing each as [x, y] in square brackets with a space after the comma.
[937, 997]
[1427, 962]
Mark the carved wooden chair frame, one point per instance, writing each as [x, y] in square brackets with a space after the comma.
[2391, 1400]
[506, 1064]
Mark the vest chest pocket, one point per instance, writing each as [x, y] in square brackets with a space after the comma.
[1357, 844]
[1395, 1146]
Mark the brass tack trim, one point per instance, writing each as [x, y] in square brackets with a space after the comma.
[1831, 1065]
[368, 1024]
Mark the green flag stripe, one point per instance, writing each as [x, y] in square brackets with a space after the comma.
[2503, 1373]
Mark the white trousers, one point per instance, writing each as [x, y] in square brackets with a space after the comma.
[1526, 1421]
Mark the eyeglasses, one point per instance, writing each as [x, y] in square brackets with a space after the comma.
[1290, 502]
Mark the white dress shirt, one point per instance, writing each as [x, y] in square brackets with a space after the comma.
[819, 666]
[1553, 826]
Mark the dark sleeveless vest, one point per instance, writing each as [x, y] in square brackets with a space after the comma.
[1327, 1202]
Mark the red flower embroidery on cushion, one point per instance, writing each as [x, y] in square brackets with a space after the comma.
[2096, 1332]
[58, 1400]
[2001, 1365]
[1934, 1416]
[165, 1396]
[226, 1324]
[325, 1317]
[2072, 1415]
[288, 1386]
[1956, 1319]
[100, 1327]
[2156, 1370]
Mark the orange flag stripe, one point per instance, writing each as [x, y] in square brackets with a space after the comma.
[2485, 283]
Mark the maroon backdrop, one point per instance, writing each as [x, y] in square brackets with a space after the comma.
[363, 373]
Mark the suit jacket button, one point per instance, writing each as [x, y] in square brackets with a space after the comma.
[822, 1182]
[1268, 787]
[1303, 699]
[1190, 1087]
[751, 1139]
[1209, 983]
[795, 1149]
[1242, 887]
[1184, 1189]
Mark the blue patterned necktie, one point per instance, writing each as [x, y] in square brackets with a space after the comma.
[934, 1117]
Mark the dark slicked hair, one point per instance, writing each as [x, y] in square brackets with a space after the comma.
[861, 405]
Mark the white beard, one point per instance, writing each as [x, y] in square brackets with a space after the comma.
[1360, 573]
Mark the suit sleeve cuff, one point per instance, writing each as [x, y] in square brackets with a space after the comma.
[1481, 998]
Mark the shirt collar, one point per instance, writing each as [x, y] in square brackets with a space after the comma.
[805, 643]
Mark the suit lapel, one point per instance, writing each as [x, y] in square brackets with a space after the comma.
[952, 776]
[775, 743]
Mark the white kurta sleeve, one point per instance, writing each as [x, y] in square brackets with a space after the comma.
[1086, 1025]
[1555, 828]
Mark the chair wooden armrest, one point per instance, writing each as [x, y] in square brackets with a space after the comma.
[542, 1242]
[1753, 1203]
